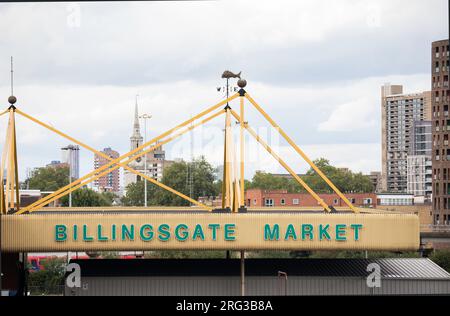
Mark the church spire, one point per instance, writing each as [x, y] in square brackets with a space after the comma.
[136, 138]
[136, 126]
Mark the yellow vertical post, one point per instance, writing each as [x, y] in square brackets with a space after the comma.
[224, 177]
[16, 164]
[241, 123]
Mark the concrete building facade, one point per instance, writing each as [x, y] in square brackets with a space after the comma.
[419, 165]
[71, 156]
[440, 130]
[398, 113]
[111, 181]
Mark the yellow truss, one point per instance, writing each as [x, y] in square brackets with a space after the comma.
[233, 181]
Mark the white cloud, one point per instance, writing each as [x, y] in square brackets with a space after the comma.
[315, 66]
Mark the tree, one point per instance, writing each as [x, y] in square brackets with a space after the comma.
[441, 258]
[86, 197]
[176, 177]
[48, 178]
[49, 280]
[345, 180]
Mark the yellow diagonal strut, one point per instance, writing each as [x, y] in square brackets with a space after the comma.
[283, 163]
[301, 153]
[109, 158]
[115, 161]
[82, 181]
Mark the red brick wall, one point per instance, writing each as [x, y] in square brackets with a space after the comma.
[256, 198]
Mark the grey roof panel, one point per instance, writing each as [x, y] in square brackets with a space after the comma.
[393, 268]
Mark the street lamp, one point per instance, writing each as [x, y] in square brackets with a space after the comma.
[145, 117]
[70, 159]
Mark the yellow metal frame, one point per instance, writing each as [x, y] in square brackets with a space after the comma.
[282, 162]
[10, 191]
[300, 152]
[32, 207]
[95, 175]
[109, 167]
[233, 194]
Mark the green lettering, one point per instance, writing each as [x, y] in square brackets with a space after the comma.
[146, 236]
[307, 230]
[60, 233]
[340, 230]
[163, 232]
[85, 234]
[323, 232]
[229, 231]
[75, 232]
[127, 233]
[99, 232]
[356, 228]
[290, 233]
[198, 231]
[113, 232]
[214, 228]
[184, 234]
[271, 234]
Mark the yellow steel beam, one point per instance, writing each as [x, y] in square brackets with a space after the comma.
[16, 163]
[60, 194]
[154, 140]
[99, 153]
[301, 153]
[283, 163]
[242, 154]
[6, 146]
[4, 112]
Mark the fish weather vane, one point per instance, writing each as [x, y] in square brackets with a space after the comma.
[227, 89]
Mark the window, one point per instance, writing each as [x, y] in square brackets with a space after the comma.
[295, 201]
[254, 201]
[268, 202]
[283, 202]
[335, 201]
[353, 200]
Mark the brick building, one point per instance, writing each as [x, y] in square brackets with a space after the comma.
[441, 131]
[111, 181]
[274, 198]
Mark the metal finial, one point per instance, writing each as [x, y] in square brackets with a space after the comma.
[12, 99]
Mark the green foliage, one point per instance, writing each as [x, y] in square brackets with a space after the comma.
[345, 180]
[50, 280]
[48, 178]
[176, 177]
[86, 197]
[441, 258]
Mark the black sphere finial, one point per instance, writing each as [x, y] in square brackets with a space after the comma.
[242, 83]
[12, 99]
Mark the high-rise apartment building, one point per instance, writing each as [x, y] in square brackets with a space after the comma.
[71, 156]
[419, 172]
[111, 181]
[441, 131]
[398, 113]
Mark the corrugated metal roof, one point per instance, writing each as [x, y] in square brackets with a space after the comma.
[396, 268]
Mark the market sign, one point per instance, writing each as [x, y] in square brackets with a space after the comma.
[210, 231]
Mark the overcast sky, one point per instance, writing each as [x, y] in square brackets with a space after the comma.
[316, 66]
